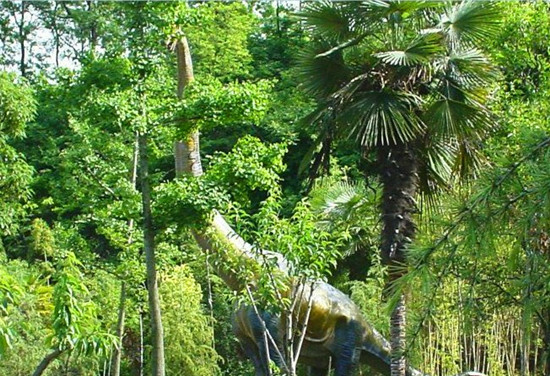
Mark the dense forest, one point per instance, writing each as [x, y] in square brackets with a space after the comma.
[181, 183]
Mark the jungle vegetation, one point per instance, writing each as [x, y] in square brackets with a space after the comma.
[397, 149]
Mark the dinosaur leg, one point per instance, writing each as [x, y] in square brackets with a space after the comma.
[245, 329]
[265, 345]
[345, 348]
[253, 353]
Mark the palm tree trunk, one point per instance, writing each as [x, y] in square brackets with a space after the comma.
[157, 332]
[399, 179]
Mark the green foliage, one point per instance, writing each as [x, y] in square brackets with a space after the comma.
[25, 307]
[250, 167]
[74, 325]
[218, 33]
[17, 105]
[9, 297]
[380, 72]
[41, 240]
[521, 49]
[189, 201]
[188, 331]
[209, 104]
[17, 108]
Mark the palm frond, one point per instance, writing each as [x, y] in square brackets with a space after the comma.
[470, 68]
[450, 118]
[420, 51]
[333, 21]
[321, 76]
[436, 157]
[470, 22]
[339, 201]
[384, 117]
[468, 158]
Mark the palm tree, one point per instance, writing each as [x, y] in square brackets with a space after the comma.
[408, 81]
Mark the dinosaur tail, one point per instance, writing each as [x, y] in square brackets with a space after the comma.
[376, 357]
[377, 354]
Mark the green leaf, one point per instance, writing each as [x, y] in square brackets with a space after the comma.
[470, 22]
[420, 51]
[451, 118]
[379, 118]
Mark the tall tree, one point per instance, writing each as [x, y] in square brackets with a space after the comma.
[141, 56]
[408, 82]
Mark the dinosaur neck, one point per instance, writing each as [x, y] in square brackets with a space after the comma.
[233, 256]
[237, 262]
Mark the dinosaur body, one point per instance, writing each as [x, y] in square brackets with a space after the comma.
[337, 333]
[337, 336]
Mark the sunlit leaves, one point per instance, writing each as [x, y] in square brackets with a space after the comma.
[251, 166]
[17, 108]
[17, 105]
[187, 328]
[75, 325]
[209, 104]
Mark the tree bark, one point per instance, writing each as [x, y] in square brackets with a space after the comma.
[157, 332]
[399, 179]
[184, 148]
[46, 362]
[117, 357]
[22, 38]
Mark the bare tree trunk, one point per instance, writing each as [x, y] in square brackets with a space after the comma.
[141, 342]
[93, 29]
[117, 357]
[46, 362]
[22, 38]
[157, 332]
[115, 365]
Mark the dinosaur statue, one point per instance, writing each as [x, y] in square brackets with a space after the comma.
[337, 334]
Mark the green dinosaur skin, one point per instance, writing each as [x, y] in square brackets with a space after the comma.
[337, 335]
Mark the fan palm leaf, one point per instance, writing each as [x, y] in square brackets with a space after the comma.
[379, 118]
[470, 22]
[333, 21]
[468, 68]
[448, 118]
[420, 51]
[321, 76]
[339, 201]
